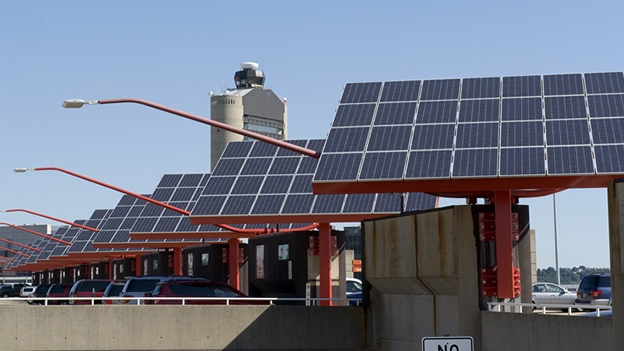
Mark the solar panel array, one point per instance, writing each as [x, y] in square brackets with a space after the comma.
[254, 180]
[564, 124]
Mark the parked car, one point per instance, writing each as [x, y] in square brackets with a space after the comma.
[552, 294]
[354, 291]
[11, 290]
[595, 289]
[113, 290]
[58, 290]
[40, 291]
[27, 290]
[141, 285]
[88, 288]
[189, 288]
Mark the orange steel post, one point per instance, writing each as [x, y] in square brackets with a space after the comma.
[325, 283]
[234, 269]
[20, 245]
[504, 253]
[138, 265]
[37, 233]
[52, 218]
[177, 261]
[2, 248]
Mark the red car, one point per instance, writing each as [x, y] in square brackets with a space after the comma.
[88, 288]
[58, 290]
[199, 289]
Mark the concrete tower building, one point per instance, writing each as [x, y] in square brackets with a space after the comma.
[249, 107]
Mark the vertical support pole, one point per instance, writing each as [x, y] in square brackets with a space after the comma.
[110, 269]
[325, 283]
[138, 265]
[234, 264]
[177, 261]
[504, 253]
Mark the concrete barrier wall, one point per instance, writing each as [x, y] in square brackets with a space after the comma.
[526, 332]
[182, 328]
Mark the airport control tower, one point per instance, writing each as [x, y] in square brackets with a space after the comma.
[249, 107]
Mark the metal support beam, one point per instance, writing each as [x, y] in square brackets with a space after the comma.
[325, 283]
[177, 260]
[504, 255]
[138, 265]
[234, 264]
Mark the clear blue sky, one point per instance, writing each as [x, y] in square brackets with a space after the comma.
[176, 52]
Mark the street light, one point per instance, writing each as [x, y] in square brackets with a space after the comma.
[19, 244]
[2, 248]
[78, 103]
[37, 233]
[52, 218]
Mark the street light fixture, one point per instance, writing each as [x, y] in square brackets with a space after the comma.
[20, 245]
[52, 218]
[37, 233]
[78, 103]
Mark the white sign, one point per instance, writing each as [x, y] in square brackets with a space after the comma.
[448, 343]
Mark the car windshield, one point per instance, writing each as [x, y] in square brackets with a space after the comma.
[210, 290]
[604, 280]
[115, 290]
[98, 286]
[57, 289]
[142, 285]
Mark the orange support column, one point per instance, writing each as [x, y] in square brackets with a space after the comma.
[177, 261]
[234, 264]
[325, 283]
[504, 254]
[138, 265]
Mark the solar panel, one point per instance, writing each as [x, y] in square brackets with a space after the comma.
[473, 128]
[283, 192]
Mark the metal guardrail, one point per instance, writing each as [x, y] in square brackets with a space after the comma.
[496, 307]
[118, 300]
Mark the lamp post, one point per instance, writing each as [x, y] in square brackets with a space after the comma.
[20, 245]
[49, 237]
[52, 218]
[78, 103]
[2, 248]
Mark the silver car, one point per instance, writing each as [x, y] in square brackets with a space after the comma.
[552, 294]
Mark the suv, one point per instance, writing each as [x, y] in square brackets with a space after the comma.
[88, 288]
[58, 290]
[113, 290]
[11, 290]
[142, 285]
[27, 290]
[40, 291]
[595, 289]
[181, 288]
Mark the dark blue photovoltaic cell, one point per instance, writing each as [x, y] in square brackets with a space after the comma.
[338, 166]
[302, 143]
[228, 166]
[346, 139]
[395, 113]
[401, 91]
[606, 105]
[238, 149]
[475, 163]
[471, 135]
[268, 204]
[152, 210]
[284, 165]
[183, 194]
[570, 160]
[390, 138]
[565, 107]
[238, 204]
[263, 149]
[170, 180]
[522, 109]
[354, 115]
[601, 83]
[167, 224]
[609, 158]
[608, 130]
[218, 185]
[276, 184]
[360, 92]
[563, 84]
[297, 204]
[431, 137]
[162, 194]
[247, 185]
[209, 205]
[191, 180]
[388, 202]
[420, 202]
[522, 161]
[429, 164]
[256, 166]
[307, 165]
[316, 144]
[386, 165]
[144, 224]
[99, 214]
[437, 112]
[479, 111]
[480, 88]
[359, 203]
[127, 200]
[302, 185]
[522, 86]
[572, 132]
[522, 134]
[112, 223]
[328, 204]
[442, 89]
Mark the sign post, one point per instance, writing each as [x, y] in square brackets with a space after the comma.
[448, 343]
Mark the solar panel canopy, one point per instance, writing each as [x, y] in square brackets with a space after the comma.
[256, 182]
[409, 134]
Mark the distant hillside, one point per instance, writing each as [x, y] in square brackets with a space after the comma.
[568, 275]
